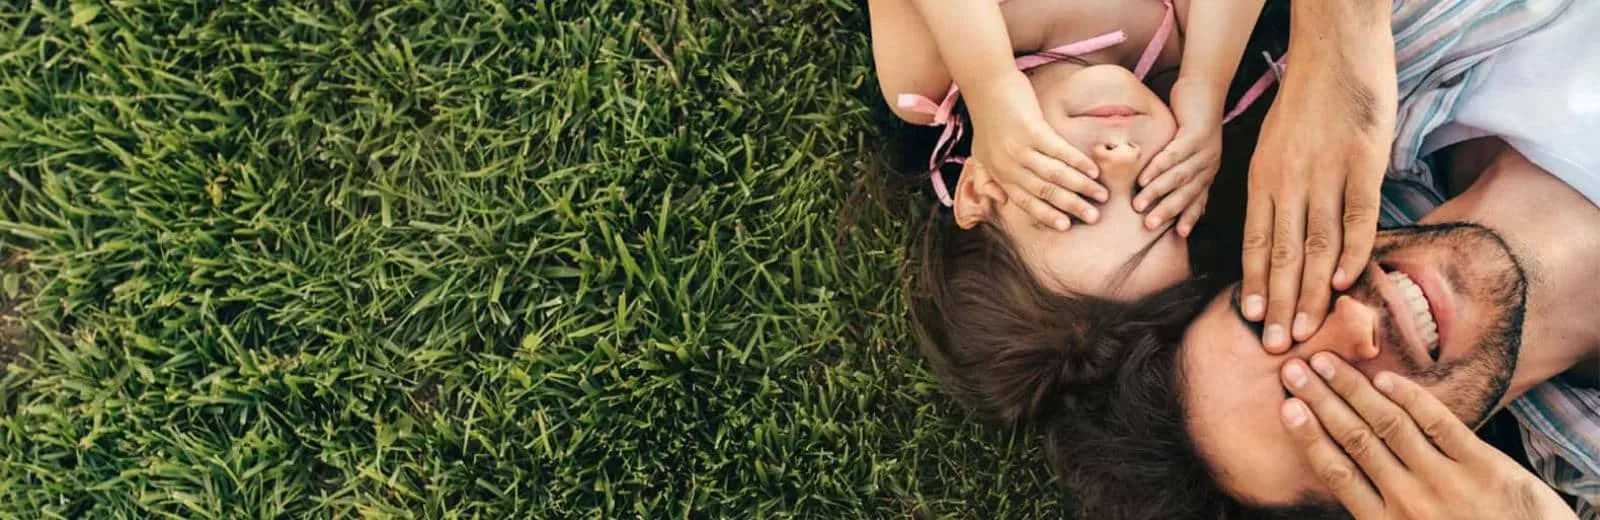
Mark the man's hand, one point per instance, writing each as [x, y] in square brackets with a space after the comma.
[1400, 453]
[1312, 209]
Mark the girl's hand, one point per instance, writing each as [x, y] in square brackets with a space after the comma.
[1178, 180]
[1390, 450]
[1038, 169]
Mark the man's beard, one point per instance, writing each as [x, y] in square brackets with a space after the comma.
[1472, 386]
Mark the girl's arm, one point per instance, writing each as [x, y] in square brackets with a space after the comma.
[1175, 184]
[905, 56]
[920, 46]
[1216, 33]
[972, 38]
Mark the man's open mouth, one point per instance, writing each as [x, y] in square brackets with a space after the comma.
[1414, 313]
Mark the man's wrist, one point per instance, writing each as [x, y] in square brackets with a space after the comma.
[1345, 45]
[1320, 32]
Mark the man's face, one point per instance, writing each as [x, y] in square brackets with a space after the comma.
[1460, 278]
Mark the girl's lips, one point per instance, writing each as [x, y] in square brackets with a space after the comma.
[1108, 111]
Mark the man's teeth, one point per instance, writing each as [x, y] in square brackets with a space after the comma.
[1418, 306]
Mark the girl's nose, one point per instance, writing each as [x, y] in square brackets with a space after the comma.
[1112, 154]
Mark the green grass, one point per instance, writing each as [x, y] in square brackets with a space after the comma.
[568, 259]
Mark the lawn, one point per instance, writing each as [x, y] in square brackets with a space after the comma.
[559, 259]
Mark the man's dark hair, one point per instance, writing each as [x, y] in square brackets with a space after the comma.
[1099, 381]
[1124, 447]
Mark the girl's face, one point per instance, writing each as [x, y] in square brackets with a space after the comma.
[1116, 257]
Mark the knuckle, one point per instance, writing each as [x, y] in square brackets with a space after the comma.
[1318, 243]
[1056, 175]
[1337, 475]
[1360, 443]
[1523, 496]
[1437, 428]
[1388, 426]
[1047, 191]
[1283, 253]
[1256, 241]
[1359, 215]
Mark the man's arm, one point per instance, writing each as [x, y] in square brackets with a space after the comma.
[1349, 45]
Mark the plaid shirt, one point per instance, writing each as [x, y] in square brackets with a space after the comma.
[1443, 49]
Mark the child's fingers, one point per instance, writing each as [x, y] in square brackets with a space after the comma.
[1054, 207]
[1192, 214]
[1172, 204]
[1174, 153]
[1055, 146]
[1056, 173]
[1164, 184]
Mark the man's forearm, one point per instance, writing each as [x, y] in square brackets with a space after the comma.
[1349, 45]
[972, 39]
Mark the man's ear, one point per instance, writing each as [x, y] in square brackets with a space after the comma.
[977, 196]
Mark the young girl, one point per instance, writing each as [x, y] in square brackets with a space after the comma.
[1009, 298]
[1070, 131]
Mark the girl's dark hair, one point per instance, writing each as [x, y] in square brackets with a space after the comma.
[1003, 342]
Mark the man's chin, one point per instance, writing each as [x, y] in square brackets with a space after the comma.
[1489, 283]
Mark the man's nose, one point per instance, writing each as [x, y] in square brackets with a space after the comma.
[1347, 332]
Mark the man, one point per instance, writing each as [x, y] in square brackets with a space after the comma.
[1488, 302]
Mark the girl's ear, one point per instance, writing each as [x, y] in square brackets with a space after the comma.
[977, 196]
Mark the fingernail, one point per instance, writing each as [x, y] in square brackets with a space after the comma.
[1274, 337]
[1254, 305]
[1339, 277]
[1139, 205]
[1295, 374]
[1384, 382]
[1061, 224]
[1294, 413]
[1302, 326]
[1322, 366]
[1102, 195]
[1091, 215]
